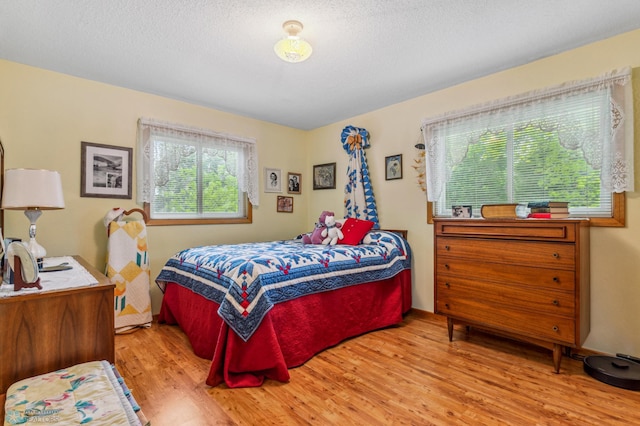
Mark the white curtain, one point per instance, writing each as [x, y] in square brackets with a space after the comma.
[359, 201]
[609, 148]
[148, 129]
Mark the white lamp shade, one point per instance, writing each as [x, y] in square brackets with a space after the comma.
[32, 189]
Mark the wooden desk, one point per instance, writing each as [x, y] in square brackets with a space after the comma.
[46, 331]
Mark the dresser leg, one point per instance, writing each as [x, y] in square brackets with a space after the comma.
[557, 356]
[450, 328]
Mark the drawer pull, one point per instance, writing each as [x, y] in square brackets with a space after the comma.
[446, 305]
[446, 248]
[555, 328]
[555, 302]
[556, 279]
[446, 266]
[447, 285]
[556, 255]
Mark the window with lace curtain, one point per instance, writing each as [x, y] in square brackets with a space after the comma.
[569, 143]
[188, 175]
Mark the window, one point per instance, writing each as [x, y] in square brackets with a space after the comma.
[194, 176]
[569, 143]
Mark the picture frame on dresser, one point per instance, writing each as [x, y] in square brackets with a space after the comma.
[105, 170]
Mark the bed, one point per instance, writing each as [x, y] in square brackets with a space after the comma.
[258, 309]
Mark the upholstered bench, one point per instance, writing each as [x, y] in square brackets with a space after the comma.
[89, 393]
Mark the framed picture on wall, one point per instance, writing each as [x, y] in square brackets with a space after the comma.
[285, 204]
[324, 176]
[294, 184]
[105, 171]
[393, 167]
[272, 180]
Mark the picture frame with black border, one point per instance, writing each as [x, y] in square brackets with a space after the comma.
[393, 167]
[294, 183]
[105, 170]
[324, 176]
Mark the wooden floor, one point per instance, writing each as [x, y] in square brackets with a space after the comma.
[406, 375]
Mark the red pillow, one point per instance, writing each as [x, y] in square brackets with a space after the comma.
[354, 231]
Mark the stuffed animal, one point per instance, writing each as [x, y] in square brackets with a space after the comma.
[316, 236]
[332, 232]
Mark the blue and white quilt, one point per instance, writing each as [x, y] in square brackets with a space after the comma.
[247, 280]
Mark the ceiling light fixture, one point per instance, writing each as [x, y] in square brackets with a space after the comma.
[292, 48]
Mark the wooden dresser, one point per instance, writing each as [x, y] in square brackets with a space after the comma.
[49, 330]
[527, 279]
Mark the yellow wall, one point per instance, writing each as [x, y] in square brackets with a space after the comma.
[615, 252]
[45, 115]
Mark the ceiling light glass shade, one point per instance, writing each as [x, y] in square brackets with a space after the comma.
[293, 48]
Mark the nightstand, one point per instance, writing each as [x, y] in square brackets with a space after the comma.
[49, 330]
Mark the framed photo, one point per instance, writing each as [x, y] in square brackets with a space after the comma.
[272, 180]
[393, 167]
[461, 211]
[294, 183]
[285, 204]
[105, 171]
[324, 176]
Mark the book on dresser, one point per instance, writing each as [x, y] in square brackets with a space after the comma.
[499, 211]
[548, 204]
[548, 210]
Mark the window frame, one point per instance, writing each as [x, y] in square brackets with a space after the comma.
[145, 165]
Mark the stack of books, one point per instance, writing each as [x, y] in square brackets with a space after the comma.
[548, 209]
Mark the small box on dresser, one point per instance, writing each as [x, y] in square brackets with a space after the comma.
[526, 279]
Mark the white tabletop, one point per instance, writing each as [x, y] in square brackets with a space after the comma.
[77, 276]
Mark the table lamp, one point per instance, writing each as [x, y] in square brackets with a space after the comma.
[32, 190]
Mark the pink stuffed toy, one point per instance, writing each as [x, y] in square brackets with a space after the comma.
[316, 236]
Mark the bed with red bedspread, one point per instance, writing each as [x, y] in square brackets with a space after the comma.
[258, 309]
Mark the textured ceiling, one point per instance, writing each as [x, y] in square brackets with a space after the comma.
[367, 53]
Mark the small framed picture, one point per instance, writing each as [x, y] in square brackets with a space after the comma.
[272, 180]
[294, 183]
[393, 167]
[105, 171]
[285, 204]
[324, 176]
[461, 211]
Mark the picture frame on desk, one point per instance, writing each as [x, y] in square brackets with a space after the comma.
[105, 171]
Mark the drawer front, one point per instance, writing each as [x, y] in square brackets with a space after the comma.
[543, 301]
[547, 230]
[526, 276]
[541, 254]
[544, 327]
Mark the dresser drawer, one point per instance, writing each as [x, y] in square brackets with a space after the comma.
[526, 276]
[507, 297]
[548, 327]
[514, 252]
[561, 231]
